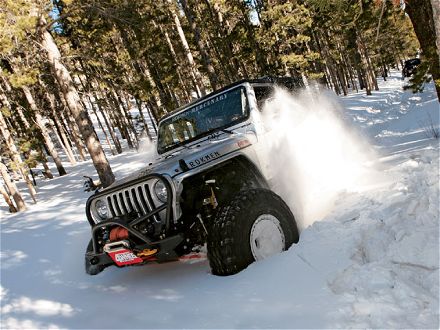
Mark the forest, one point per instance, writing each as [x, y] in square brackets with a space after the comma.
[66, 64]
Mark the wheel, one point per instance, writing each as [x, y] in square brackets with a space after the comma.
[252, 226]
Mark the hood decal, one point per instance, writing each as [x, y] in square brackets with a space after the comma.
[204, 159]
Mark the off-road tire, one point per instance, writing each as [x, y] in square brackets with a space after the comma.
[229, 249]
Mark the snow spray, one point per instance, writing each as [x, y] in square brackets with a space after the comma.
[148, 150]
[310, 154]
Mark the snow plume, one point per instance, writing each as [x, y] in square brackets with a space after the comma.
[310, 154]
[148, 149]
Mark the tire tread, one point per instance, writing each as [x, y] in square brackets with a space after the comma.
[222, 248]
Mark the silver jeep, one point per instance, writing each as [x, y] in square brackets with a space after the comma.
[208, 186]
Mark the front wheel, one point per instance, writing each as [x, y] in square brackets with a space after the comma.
[252, 226]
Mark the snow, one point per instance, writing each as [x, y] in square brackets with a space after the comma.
[370, 262]
[307, 170]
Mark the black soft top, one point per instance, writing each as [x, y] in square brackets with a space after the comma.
[413, 61]
[290, 83]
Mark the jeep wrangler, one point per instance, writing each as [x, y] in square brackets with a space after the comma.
[207, 186]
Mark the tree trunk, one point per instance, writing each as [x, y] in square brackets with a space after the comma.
[8, 201]
[73, 131]
[101, 126]
[54, 152]
[61, 136]
[152, 115]
[368, 79]
[351, 73]
[436, 13]
[345, 69]
[125, 116]
[178, 68]
[141, 113]
[87, 86]
[260, 56]
[425, 25]
[226, 48]
[71, 127]
[193, 68]
[366, 60]
[16, 158]
[47, 170]
[115, 116]
[21, 206]
[47, 140]
[206, 59]
[71, 96]
[144, 70]
[159, 103]
[6, 103]
[322, 42]
[64, 139]
[115, 139]
[370, 66]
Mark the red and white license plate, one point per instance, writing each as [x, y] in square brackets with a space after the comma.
[123, 257]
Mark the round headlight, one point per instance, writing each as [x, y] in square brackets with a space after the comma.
[101, 209]
[161, 191]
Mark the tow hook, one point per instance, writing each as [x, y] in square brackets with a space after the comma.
[121, 254]
[147, 253]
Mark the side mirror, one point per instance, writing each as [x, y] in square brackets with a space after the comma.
[90, 185]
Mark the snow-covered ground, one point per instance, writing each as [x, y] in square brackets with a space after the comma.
[371, 262]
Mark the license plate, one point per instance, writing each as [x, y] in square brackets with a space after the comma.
[124, 257]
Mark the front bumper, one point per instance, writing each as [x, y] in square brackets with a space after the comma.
[96, 259]
[95, 262]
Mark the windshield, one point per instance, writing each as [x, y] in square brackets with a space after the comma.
[217, 112]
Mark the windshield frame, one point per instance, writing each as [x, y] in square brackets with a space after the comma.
[190, 106]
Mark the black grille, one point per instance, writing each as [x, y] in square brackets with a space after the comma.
[134, 199]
